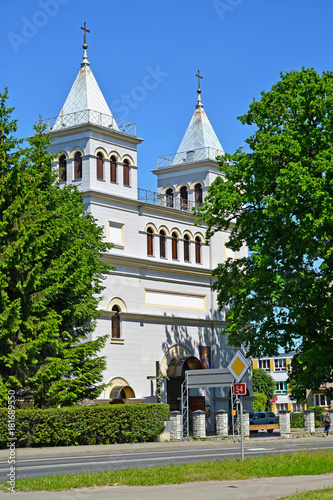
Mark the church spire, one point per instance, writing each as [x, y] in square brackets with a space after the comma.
[200, 141]
[85, 61]
[199, 103]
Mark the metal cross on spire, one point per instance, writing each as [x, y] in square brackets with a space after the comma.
[85, 34]
[199, 103]
[199, 76]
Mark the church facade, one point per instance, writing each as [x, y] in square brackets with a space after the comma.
[158, 309]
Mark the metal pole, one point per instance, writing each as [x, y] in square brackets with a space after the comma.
[241, 427]
[188, 408]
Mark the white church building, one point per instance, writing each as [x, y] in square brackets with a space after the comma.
[158, 308]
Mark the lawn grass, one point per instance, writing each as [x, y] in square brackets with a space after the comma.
[326, 494]
[295, 464]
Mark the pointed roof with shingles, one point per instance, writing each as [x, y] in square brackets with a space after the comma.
[199, 135]
[85, 93]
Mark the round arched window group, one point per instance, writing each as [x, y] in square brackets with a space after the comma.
[99, 168]
[184, 203]
[161, 237]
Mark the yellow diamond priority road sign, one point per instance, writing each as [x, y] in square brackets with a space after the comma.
[238, 366]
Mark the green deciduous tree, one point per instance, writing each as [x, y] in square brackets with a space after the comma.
[259, 402]
[264, 384]
[50, 277]
[277, 198]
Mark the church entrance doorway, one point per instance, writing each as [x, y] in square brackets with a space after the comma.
[176, 376]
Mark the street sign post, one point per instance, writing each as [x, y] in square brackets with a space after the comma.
[238, 366]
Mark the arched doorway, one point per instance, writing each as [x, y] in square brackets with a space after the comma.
[176, 376]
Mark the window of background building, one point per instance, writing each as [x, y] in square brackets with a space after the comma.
[264, 364]
[321, 400]
[280, 365]
[281, 388]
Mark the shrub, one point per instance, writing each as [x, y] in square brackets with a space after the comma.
[259, 402]
[297, 420]
[79, 425]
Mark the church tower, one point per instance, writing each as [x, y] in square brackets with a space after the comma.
[95, 150]
[184, 177]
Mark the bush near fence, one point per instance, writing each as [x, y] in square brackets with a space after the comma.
[297, 418]
[80, 425]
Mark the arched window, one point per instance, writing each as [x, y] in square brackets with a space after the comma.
[78, 165]
[99, 166]
[126, 177]
[198, 250]
[183, 198]
[62, 168]
[150, 249]
[115, 334]
[169, 197]
[186, 248]
[162, 243]
[174, 245]
[198, 195]
[113, 169]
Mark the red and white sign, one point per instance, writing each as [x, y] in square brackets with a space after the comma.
[240, 389]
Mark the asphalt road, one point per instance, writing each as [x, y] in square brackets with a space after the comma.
[50, 461]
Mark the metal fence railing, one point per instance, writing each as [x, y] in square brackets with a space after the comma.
[90, 116]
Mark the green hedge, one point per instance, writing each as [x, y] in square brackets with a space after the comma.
[297, 420]
[107, 424]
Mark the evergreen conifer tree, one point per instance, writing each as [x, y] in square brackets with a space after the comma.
[50, 277]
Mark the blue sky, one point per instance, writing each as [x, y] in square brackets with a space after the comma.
[240, 47]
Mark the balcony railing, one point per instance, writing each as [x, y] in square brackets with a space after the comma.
[200, 154]
[164, 200]
[90, 116]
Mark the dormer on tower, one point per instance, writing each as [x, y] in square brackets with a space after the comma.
[94, 150]
[184, 177]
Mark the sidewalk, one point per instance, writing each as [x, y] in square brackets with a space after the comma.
[250, 489]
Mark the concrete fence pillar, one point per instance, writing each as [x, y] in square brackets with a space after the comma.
[246, 424]
[309, 421]
[176, 426]
[284, 422]
[222, 423]
[199, 424]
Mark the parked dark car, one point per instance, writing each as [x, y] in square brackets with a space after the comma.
[263, 418]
